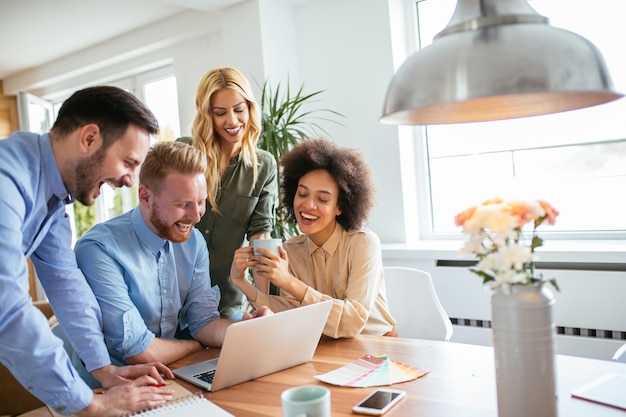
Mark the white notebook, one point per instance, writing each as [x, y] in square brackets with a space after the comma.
[609, 389]
[184, 404]
[193, 405]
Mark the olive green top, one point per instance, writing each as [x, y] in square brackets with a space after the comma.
[246, 207]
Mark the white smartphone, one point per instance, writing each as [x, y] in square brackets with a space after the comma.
[378, 402]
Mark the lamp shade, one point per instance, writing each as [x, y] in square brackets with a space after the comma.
[497, 59]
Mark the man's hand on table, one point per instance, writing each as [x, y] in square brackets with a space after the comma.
[111, 375]
[131, 396]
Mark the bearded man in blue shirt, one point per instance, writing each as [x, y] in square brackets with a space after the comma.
[149, 267]
[101, 135]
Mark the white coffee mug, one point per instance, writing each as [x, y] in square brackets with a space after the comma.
[269, 244]
[306, 401]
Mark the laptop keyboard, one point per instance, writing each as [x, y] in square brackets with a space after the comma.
[206, 376]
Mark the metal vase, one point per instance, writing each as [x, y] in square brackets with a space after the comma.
[523, 340]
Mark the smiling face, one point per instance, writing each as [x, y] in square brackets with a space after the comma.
[230, 114]
[176, 208]
[316, 205]
[116, 166]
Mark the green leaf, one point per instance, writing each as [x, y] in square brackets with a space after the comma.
[554, 284]
[538, 221]
[485, 276]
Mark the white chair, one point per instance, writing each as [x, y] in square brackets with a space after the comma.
[414, 304]
[620, 354]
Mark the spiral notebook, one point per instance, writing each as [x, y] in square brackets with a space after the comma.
[193, 405]
[184, 404]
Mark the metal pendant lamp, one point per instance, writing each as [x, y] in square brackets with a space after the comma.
[497, 59]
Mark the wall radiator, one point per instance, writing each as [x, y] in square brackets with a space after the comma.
[590, 314]
[563, 330]
[561, 266]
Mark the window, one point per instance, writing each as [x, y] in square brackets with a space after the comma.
[35, 113]
[576, 160]
[160, 93]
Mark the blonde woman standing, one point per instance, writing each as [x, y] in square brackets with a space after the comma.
[241, 179]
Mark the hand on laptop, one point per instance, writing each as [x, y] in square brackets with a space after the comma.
[111, 375]
[259, 312]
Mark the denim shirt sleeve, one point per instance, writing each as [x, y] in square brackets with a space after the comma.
[125, 331]
[63, 281]
[28, 348]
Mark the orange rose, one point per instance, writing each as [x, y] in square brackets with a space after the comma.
[520, 210]
[464, 216]
[550, 211]
[496, 200]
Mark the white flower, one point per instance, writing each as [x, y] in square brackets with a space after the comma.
[515, 256]
[494, 229]
[510, 277]
[535, 209]
[474, 245]
[474, 225]
[498, 221]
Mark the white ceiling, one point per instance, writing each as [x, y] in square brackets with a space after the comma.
[36, 32]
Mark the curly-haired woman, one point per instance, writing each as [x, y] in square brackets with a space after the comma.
[329, 191]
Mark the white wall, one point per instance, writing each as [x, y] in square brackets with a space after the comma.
[344, 47]
[189, 66]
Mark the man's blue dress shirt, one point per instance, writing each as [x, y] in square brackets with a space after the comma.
[33, 223]
[146, 286]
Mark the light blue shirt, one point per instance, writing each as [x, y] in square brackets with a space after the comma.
[146, 286]
[33, 223]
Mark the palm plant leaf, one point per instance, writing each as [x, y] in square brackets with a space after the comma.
[284, 123]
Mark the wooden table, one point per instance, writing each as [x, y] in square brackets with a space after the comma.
[461, 381]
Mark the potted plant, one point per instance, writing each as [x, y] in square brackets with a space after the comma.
[284, 122]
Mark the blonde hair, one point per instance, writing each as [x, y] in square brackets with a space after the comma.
[203, 132]
[166, 157]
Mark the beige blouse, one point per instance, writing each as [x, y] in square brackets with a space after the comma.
[347, 269]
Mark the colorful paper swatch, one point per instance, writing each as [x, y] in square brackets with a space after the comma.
[371, 370]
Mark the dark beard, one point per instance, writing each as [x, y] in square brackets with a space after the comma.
[86, 172]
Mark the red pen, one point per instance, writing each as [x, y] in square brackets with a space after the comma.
[157, 385]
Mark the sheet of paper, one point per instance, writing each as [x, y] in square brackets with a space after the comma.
[609, 389]
[371, 370]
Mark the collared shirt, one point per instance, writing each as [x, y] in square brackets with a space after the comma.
[247, 206]
[33, 223]
[146, 286]
[347, 269]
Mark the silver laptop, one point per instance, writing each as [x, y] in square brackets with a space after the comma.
[258, 347]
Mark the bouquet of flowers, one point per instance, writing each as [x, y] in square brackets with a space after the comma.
[495, 237]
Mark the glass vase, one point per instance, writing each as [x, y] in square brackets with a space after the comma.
[523, 340]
